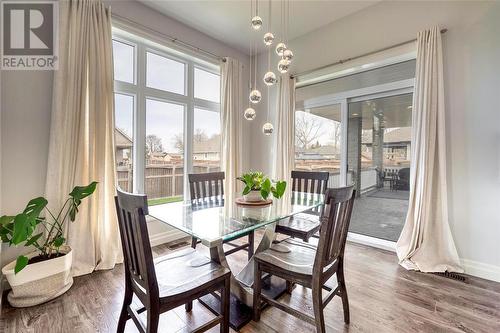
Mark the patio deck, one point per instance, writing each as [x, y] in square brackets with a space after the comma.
[380, 213]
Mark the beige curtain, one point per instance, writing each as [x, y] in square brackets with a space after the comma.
[231, 124]
[82, 133]
[426, 243]
[285, 126]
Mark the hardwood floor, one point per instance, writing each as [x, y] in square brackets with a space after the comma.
[383, 298]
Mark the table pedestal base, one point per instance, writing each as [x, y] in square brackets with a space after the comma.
[240, 313]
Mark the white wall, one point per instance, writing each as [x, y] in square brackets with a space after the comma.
[472, 86]
[26, 100]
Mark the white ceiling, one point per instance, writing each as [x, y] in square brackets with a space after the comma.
[229, 21]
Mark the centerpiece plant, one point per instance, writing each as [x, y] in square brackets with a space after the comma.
[258, 182]
[44, 232]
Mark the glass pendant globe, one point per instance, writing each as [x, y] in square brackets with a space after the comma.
[280, 48]
[256, 22]
[255, 96]
[270, 78]
[249, 114]
[268, 38]
[268, 128]
[288, 54]
[283, 66]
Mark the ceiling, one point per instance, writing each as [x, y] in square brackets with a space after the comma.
[393, 111]
[229, 21]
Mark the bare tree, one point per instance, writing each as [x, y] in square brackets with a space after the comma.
[179, 142]
[198, 136]
[307, 130]
[335, 134]
[153, 144]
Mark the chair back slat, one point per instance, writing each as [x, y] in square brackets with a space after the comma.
[138, 258]
[335, 222]
[311, 182]
[206, 187]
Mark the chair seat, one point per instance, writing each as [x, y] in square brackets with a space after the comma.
[301, 225]
[185, 270]
[299, 260]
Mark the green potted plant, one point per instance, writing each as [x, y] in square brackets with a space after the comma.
[45, 273]
[259, 187]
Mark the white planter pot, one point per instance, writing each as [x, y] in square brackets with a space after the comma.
[39, 282]
[253, 196]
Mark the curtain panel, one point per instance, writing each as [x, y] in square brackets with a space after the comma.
[231, 124]
[82, 133]
[285, 130]
[426, 242]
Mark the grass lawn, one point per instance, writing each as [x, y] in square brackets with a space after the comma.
[159, 201]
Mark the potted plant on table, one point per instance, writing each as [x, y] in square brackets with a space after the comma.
[45, 273]
[258, 187]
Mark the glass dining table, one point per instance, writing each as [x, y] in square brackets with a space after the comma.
[215, 221]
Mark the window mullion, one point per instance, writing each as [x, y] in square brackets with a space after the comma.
[140, 122]
[188, 126]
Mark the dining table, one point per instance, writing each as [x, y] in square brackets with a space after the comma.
[216, 219]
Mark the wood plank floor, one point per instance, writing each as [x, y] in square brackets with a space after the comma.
[383, 298]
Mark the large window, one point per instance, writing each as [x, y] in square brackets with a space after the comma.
[166, 117]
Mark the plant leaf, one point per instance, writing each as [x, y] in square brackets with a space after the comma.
[246, 190]
[59, 241]
[80, 192]
[21, 228]
[280, 189]
[21, 262]
[35, 207]
[265, 188]
[33, 239]
[6, 219]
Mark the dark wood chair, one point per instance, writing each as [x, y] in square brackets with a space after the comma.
[207, 189]
[309, 265]
[166, 282]
[305, 225]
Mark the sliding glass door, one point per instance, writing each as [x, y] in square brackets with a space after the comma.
[378, 160]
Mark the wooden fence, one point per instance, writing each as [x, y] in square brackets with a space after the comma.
[161, 181]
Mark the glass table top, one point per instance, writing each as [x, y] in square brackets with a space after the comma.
[216, 221]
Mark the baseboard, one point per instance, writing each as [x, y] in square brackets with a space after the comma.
[481, 270]
[372, 241]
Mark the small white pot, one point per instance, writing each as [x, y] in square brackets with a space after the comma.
[253, 196]
[39, 282]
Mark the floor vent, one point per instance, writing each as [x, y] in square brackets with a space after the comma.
[177, 245]
[453, 276]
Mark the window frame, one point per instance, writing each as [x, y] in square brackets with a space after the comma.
[141, 93]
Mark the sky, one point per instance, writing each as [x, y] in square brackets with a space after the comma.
[164, 119]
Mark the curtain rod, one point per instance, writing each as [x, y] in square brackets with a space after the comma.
[172, 39]
[357, 57]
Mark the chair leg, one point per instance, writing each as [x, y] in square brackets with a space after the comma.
[256, 291]
[343, 292]
[318, 310]
[225, 300]
[289, 287]
[153, 321]
[250, 245]
[124, 316]
[189, 306]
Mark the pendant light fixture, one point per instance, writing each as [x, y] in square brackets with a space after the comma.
[256, 20]
[255, 95]
[286, 55]
[269, 78]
